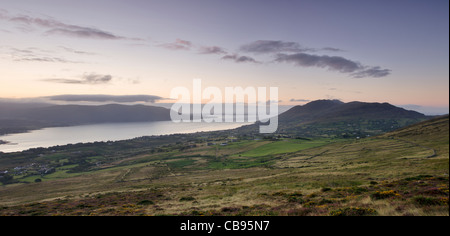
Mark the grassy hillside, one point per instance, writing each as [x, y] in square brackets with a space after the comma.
[399, 173]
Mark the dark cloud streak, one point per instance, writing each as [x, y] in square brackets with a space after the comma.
[307, 60]
[240, 59]
[374, 72]
[106, 98]
[334, 63]
[82, 32]
[212, 50]
[58, 27]
[92, 79]
[332, 49]
[271, 46]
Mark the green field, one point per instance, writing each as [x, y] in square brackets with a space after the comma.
[284, 146]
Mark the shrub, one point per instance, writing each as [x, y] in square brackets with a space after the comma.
[325, 189]
[354, 211]
[384, 194]
[429, 201]
[230, 209]
[187, 199]
[357, 190]
[146, 202]
[300, 212]
[419, 177]
[295, 197]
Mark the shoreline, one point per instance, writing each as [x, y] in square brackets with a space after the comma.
[5, 149]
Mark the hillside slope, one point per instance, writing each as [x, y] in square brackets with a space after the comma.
[431, 133]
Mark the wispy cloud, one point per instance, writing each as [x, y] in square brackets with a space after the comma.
[83, 32]
[212, 50]
[36, 55]
[330, 62]
[45, 59]
[92, 79]
[271, 46]
[240, 59]
[299, 100]
[334, 63]
[106, 98]
[375, 72]
[56, 27]
[331, 49]
[179, 44]
[71, 50]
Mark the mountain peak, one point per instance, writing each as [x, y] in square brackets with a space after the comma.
[360, 116]
[323, 103]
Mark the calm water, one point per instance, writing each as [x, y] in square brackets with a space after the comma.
[49, 137]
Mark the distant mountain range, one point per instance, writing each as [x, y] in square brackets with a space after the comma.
[16, 118]
[333, 118]
[327, 118]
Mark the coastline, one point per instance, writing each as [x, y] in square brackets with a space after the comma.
[123, 131]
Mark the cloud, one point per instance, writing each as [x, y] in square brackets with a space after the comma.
[375, 72]
[92, 79]
[57, 27]
[278, 46]
[106, 98]
[179, 44]
[334, 63]
[45, 59]
[77, 51]
[36, 55]
[294, 53]
[299, 100]
[271, 46]
[240, 59]
[307, 60]
[82, 32]
[332, 49]
[64, 81]
[212, 50]
[97, 79]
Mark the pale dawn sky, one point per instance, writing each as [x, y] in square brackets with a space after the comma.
[352, 50]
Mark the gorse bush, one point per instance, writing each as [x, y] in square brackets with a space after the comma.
[354, 211]
[430, 201]
[384, 194]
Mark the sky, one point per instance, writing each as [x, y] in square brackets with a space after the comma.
[139, 50]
